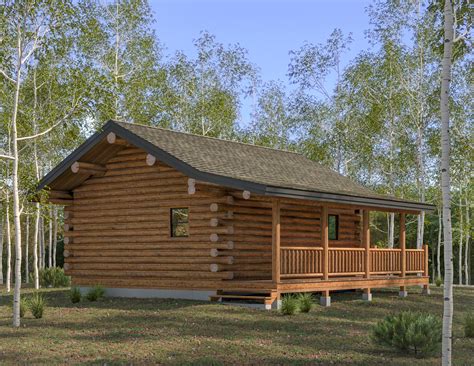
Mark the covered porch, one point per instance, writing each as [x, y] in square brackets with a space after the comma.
[323, 268]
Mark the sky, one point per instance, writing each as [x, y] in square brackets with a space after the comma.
[267, 29]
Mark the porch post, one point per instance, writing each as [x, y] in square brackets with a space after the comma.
[367, 295]
[325, 298]
[403, 254]
[276, 240]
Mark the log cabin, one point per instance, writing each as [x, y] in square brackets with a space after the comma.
[151, 212]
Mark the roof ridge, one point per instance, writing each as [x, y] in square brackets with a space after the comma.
[209, 137]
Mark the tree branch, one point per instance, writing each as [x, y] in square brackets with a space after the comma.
[2, 156]
[7, 77]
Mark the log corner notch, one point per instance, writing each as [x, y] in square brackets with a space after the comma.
[113, 140]
[150, 160]
[80, 167]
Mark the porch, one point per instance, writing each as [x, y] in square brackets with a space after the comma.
[311, 268]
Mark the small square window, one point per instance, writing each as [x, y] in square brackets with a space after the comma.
[179, 222]
[333, 223]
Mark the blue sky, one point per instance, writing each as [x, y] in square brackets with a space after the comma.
[267, 29]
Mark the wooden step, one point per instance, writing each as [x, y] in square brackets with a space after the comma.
[265, 298]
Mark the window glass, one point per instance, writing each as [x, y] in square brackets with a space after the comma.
[179, 222]
[333, 223]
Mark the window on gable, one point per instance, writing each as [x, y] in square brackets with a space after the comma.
[333, 223]
[179, 222]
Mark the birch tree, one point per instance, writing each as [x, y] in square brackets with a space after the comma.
[446, 185]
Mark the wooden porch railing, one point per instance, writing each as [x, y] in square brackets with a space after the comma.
[301, 262]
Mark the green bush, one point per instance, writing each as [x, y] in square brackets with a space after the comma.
[53, 277]
[469, 326]
[409, 331]
[23, 306]
[289, 305]
[438, 282]
[305, 302]
[95, 293]
[37, 303]
[75, 295]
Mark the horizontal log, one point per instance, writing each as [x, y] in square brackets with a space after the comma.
[80, 167]
[61, 202]
[148, 274]
[149, 259]
[60, 194]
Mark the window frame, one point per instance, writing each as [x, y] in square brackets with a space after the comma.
[171, 223]
[336, 231]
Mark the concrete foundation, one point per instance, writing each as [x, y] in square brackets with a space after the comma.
[403, 293]
[367, 296]
[325, 301]
[155, 293]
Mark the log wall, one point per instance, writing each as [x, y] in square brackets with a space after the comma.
[117, 231]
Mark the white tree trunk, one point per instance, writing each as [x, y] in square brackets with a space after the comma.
[438, 253]
[35, 244]
[446, 186]
[16, 193]
[1, 245]
[467, 244]
[461, 233]
[50, 243]
[9, 245]
[55, 234]
[42, 233]
[391, 229]
[27, 243]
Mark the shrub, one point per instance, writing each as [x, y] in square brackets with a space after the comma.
[53, 277]
[37, 303]
[289, 305]
[95, 293]
[75, 295]
[469, 326]
[409, 331]
[438, 282]
[23, 306]
[305, 302]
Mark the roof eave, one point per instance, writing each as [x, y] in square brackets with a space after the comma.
[387, 204]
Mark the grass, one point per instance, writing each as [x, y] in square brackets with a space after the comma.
[179, 332]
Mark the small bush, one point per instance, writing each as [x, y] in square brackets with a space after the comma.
[409, 331]
[95, 293]
[469, 326]
[54, 277]
[75, 295]
[23, 306]
[37, 303]
[289, 305]
[438, 282]
[305, 302]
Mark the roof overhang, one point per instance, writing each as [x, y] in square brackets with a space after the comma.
[165, 157]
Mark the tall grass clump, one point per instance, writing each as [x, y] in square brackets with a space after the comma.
[53, 277]
[23, 306]
[36, 304]
[289, 305]
[438, 281]
[469, 326]
[95, 293]
[75, 295]
[305, 302]
[408, 331]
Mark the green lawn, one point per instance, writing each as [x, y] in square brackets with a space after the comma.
[154, 331]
